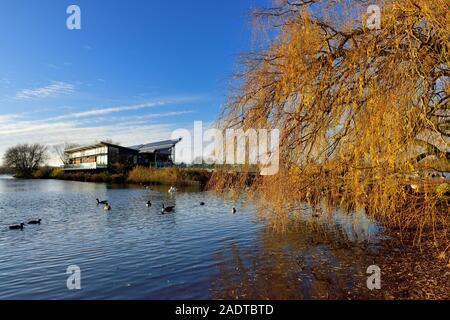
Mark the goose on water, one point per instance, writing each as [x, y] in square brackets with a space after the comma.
[35, 221]
[167, 209]
[101, 202]
[17, 227]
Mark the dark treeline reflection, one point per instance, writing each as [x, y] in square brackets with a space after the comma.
[307, 260]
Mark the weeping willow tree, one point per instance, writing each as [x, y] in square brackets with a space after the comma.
[358, 109]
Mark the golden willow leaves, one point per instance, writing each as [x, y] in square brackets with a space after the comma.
[357, 108]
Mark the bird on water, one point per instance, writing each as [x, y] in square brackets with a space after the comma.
[107, 207]
[165, 209]
[101, 202]
[17, 227]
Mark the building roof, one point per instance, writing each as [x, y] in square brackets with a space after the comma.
[142, 148]
[155, 146]
[93, 146]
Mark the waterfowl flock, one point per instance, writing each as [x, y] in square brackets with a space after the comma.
[20, 226]
[107, 207]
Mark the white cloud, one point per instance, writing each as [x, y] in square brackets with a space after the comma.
[56, 88]
[150, 116]
[88, 126]
[105, 111]
[117, 109]
[7, 118]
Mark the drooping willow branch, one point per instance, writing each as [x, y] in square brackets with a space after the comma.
[351, 103]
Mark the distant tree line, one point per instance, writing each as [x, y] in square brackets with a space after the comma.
[24, 159]
[6, 170]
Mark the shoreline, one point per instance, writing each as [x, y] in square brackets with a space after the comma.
[142, 176]
[414, 271]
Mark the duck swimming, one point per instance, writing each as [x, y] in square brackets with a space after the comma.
[202, 203]
[107, 207]
[148, 204]
[165, 209]
[101, 202]
[17, 227]
[35, 221]
[233, 210]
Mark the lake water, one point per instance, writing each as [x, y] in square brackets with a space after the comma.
[198, 252]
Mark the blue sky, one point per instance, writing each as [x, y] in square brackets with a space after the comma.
[136, 71]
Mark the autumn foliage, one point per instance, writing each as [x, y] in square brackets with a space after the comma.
[359, 109]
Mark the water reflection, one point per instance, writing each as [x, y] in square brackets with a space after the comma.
[199, 252]
[323, 258]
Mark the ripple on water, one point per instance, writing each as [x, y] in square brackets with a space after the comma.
[134, 252]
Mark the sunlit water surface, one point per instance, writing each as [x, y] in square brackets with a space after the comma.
[199, 252]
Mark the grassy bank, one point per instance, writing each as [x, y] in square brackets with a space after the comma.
[171, 175]
[56, 173]
[138, 175]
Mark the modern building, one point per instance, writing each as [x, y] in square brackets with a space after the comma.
[103, 155]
